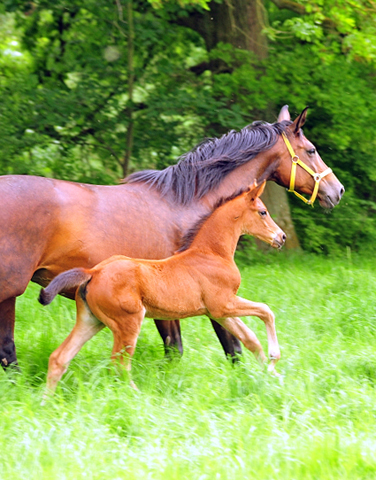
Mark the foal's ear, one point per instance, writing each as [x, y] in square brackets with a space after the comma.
[255, 190]
[284, 114]
[299, 122]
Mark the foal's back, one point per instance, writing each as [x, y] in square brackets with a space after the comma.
[170, 288]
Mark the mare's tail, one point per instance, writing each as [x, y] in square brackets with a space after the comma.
[65, 281]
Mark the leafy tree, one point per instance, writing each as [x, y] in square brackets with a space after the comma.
[91, 89]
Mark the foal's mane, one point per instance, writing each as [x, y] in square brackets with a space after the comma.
[191, 234]
[205, 166]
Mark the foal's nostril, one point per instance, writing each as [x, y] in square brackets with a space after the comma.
[341, 192]
[284, 238]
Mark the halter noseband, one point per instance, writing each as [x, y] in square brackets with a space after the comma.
[316, 176]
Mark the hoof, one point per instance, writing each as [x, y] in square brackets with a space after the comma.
[272, 363]
[133, 385]
[9, 367]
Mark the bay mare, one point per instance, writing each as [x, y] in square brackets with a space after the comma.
[201, 279]
[49, 226]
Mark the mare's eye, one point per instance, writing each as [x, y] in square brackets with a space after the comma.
[312, 151]
[263, 213]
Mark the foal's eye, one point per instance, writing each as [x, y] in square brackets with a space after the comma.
[263, 213]
[312, 151]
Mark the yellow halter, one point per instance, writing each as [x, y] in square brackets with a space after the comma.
[316, 176]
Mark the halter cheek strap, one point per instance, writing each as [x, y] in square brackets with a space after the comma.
[316, 176]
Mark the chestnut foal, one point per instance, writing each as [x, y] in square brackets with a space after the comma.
[200, 279]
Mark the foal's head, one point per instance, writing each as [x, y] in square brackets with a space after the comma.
[256, 220]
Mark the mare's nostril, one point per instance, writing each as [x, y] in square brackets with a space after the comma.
[341, 192]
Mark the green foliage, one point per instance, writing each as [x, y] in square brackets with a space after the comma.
[340, 27]
[72, 92]
[65, 105]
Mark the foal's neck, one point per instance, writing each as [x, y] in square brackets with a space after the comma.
[220, 233]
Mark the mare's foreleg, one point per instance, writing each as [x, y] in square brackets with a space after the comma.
[86, 327]
[230, 344]
[7, 319]
[170, 332]
[242, 307]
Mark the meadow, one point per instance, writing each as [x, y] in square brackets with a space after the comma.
[201, 417]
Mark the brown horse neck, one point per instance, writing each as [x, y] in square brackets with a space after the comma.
[260, 168]
[220, 233]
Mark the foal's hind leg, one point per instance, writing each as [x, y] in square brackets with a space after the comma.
[86, 327]
[125, 329]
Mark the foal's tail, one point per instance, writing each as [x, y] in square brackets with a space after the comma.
[65, 281]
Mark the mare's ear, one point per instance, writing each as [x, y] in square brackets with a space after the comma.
[299, 122]
[255, 190]
[284, 114]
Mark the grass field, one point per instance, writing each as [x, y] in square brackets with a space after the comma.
[200, 417]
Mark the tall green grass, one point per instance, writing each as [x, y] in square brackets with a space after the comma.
[200, 417]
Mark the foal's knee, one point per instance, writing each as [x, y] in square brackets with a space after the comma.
[267, 314]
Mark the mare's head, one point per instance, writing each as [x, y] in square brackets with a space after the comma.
[309, 175]
[256, 220]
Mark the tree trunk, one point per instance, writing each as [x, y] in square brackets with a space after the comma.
[129, 110]
[240, 23]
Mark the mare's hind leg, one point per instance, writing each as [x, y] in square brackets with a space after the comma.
[171, 336]
[86, 327]
[169, 330]
[230, 344]
[7, 319]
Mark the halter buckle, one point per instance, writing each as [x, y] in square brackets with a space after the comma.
[317, 177]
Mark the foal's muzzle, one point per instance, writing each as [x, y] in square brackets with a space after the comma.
[279, 240]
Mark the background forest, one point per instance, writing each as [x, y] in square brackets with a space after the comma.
[94, 89]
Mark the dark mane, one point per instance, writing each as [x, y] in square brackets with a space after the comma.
[203, 168]
[188, 238]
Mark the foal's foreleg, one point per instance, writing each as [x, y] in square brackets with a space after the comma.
[86, 327]
[242, 307]
[248, 338]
